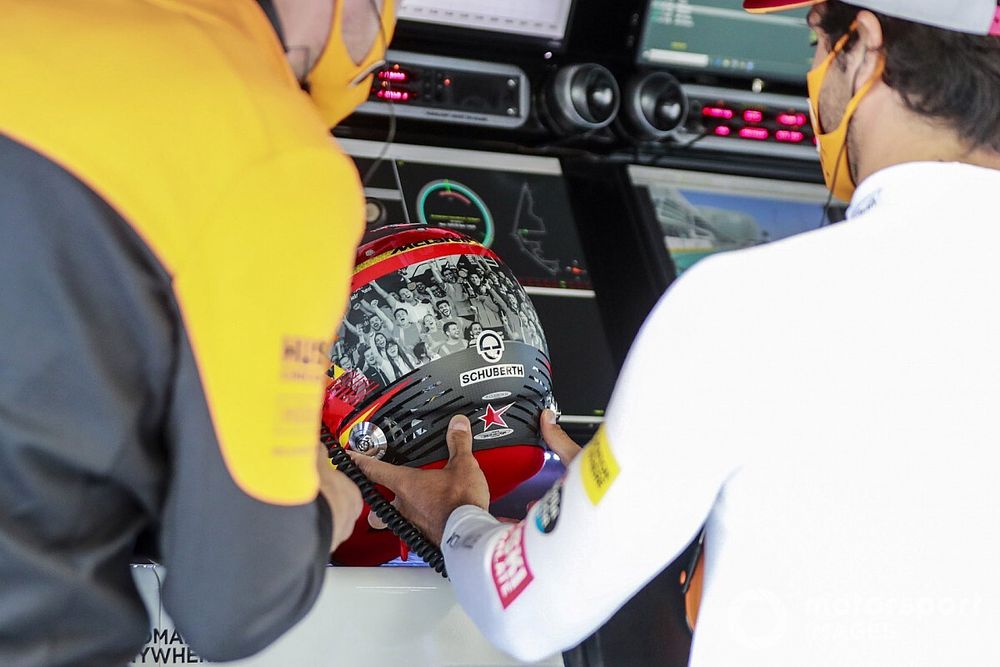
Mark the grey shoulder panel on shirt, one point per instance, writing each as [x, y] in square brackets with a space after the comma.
[104, 434]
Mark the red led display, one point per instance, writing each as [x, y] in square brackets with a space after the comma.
[394, 95]
[394, 75]
[717, 112]
[723, 131]
[790, 136]
[792, 119]
[753, 116]
[755, 133]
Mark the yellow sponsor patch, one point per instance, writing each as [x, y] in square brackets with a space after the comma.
[600, 467]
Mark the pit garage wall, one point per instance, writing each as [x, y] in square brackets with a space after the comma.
[379, 616]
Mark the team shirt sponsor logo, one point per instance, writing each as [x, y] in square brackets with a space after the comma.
[490, 346]
[304, 359]
[548, 508]
[600, 467]
[494, 417]
[865, 205]
[477, 375]
[509, 566]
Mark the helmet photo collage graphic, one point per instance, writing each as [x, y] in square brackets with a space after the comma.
[427, 311]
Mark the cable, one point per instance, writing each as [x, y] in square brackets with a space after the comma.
[391, 135]
[843, 148]
[692, 142]
[389, 515]
[833, 184]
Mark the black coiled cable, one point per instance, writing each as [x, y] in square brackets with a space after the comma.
[389, 515]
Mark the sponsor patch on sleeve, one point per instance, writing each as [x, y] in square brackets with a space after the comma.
[548, 508]
[600, 468]
[509, 566]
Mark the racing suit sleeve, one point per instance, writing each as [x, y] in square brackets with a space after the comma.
[627, 506]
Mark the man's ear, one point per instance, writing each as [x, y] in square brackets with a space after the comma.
[869, 44]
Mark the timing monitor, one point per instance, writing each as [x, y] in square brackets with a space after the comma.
[518, 206]
[701, 214]
[719, 37]
[537, 20]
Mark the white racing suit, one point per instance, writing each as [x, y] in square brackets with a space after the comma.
[828, 404]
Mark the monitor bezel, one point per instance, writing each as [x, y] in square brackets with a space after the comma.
[424, 32]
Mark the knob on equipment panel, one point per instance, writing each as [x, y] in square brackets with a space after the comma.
[583, 97]
[656, 105]
[452, 90]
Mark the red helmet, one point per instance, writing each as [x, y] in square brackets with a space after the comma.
[437, 325]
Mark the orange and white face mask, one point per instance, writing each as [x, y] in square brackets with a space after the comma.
[833, 145]
[338, 84]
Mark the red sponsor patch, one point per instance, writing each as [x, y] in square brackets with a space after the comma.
[509, 566]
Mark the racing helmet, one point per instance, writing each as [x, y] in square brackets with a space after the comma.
[436, 325]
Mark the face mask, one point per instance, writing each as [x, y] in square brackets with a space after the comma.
[336, 83]
[833, 145]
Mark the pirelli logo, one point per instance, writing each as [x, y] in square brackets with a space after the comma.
[477, 375]
[600, 467]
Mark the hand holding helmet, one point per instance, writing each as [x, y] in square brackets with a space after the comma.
[427, 497]
[397, 407]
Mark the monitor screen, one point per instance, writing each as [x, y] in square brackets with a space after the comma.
[718, 36]
[701, 214]
[519, 207]
[545, 19]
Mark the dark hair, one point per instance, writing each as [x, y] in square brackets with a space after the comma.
[946, 75]
[396, 312]
[449, 323]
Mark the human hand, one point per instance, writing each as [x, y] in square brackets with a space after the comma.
[428, 497]
[556, 438]
[341, 494]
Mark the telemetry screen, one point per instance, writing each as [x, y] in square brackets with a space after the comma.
[719, 36]
[519, 207]
[701, 214]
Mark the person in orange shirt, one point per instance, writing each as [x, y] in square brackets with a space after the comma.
[163, 328]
